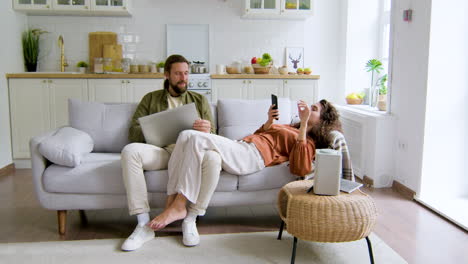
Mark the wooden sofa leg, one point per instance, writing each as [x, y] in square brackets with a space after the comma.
[62, 221]
[83, 218]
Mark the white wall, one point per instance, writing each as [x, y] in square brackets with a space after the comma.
[409, 87]
[233, 38]
[446, 126]
[12, 24]
[361, 42]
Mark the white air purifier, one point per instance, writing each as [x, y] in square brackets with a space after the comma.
[327, 172]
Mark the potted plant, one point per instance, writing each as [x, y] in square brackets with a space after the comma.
[160, 66]
[30, 41]
[382, 103]
[374, 66]
[82, 65]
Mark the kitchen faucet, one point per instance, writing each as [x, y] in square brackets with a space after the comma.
[63, 62]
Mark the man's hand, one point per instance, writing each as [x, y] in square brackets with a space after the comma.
[202, 125]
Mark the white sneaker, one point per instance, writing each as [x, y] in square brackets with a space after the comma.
[190, 234]
[140, 235]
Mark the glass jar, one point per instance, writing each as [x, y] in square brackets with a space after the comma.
[126, 65]
[98, 65]
[133, 68]
[153, 68]
[143, 68]
[108, 65]
[117, 66]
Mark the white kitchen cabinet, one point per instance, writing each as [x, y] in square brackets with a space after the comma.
[278, 9]
[137, 88]
[73, 7]
[306, 90]
[38, 105]
[30, 113]
[27, 5]
[121, 90]
[107, 90]
[111, 7]
[262, 7]
[228, 88]
[246, 88]
[60, 91]
[263, 88]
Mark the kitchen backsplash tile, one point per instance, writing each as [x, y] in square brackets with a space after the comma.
[143, 36]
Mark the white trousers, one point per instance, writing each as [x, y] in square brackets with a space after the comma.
[185, 164]
[137, 157]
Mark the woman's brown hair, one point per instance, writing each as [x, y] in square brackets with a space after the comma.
[329, 121]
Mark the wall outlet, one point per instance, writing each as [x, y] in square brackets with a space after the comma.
[402, 145]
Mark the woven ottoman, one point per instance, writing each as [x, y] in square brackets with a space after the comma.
[341, 218]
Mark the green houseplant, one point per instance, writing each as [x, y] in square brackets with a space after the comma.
[82, 65]
[374, 66]
[160, 66]
[30, 41]
[382, 103]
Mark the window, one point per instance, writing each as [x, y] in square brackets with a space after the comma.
[385, 33]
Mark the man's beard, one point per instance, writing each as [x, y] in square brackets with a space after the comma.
[177, 89]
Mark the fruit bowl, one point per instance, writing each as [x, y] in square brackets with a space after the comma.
[260, 69]
[353, 101]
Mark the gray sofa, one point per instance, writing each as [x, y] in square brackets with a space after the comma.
[95, 181]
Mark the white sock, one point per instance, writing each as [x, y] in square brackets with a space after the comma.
[143, 219]
[191, 217]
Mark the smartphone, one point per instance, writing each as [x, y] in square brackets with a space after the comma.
[274, 101]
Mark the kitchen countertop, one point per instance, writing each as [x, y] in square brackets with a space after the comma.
[264, 76]
[70, 75]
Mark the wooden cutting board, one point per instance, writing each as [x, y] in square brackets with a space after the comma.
[97, 40]
[114, 52]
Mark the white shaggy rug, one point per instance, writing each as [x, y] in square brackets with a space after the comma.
[262, 247]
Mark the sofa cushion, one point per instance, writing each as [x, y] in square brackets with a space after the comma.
[101, 173]
[66, 146]
[106, 123]
[268, 178]
[238, 118]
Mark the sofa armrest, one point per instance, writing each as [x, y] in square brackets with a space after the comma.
[38, 161]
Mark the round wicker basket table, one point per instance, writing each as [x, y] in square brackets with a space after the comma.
[341, 218]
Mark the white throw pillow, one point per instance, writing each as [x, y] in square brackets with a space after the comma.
[66, 146]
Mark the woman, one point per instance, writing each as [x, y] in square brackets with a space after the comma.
[270, 145]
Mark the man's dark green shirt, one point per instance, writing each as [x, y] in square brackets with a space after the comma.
[156, 101]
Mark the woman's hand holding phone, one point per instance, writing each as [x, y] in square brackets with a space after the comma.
[272, 115]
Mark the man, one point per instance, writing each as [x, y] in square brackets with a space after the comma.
[138, 156]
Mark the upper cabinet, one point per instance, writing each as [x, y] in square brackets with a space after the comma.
[66, 5]
[32, 4]
[110, 6]
[278, 9]
[74, 7]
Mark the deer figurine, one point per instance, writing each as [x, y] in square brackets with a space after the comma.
[295, 61]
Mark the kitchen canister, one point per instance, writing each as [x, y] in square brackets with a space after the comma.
[220, 69]
[98, 65]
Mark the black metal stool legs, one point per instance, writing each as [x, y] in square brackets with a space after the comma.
[293, 257]
[281, 230]
[369, 246]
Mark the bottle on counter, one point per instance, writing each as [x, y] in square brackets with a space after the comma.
[126, 65]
